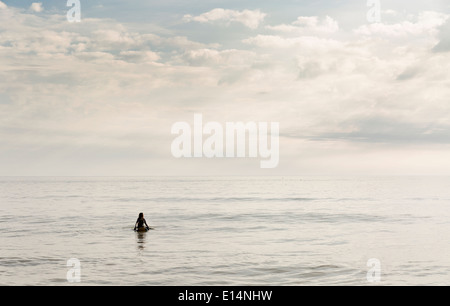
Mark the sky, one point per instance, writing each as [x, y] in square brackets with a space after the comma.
[99, 97]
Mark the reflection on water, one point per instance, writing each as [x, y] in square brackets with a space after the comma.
[140, 239]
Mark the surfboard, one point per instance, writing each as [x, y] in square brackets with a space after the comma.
[143, 229]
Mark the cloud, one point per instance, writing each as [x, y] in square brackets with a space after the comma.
[427, 23]
[444, 38]
[225, 58]
[4, 98]
[116, 38]
[3, 5]
[280, 41]
[36, 7]
[390, 12]
[139, 56]
[249, 18]
[409, 73]
[386, 129]
[308, 26]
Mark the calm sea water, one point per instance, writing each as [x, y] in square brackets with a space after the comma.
[284, 231]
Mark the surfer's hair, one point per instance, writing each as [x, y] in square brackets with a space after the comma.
[141, 215]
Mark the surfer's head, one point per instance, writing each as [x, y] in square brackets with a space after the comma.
[141, 215]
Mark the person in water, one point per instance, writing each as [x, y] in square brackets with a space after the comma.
[140, 223]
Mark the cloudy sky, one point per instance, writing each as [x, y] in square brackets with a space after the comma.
[99, 97]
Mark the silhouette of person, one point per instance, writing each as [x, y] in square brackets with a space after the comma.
[139, 225]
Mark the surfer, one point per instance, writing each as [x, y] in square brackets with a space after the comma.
[139, 225]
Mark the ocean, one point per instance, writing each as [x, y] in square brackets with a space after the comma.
[225, 231]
